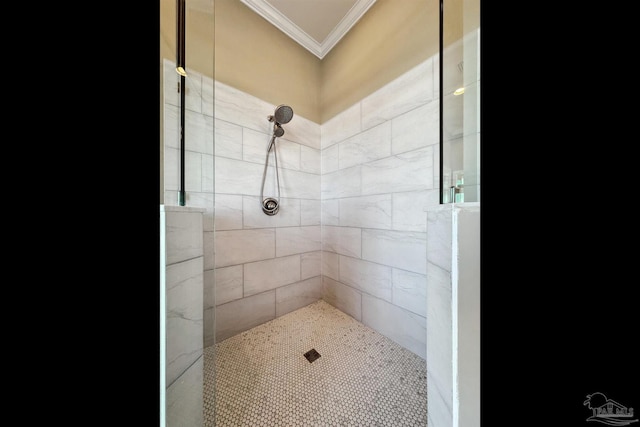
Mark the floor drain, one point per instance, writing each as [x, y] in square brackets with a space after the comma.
[312, 355]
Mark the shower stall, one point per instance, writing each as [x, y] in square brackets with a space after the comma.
[340, 203]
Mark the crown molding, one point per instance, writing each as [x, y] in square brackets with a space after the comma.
[284, 24]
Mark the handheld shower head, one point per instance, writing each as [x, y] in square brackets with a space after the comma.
[277, 130]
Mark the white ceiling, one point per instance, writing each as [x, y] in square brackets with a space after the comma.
[317, 25]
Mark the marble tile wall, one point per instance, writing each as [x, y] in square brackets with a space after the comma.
[182, 278]
[199, 162]
[379, 175]
[265, 266]
[453, 310]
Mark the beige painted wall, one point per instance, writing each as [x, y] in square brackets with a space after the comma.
[256, 57]
[387, 41]
[200, 37]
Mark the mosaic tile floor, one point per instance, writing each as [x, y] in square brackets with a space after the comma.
[360, 378]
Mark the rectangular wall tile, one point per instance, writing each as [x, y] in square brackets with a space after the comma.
[309, 159]
[171, 172]
[254, 217]
[171, 80]
[209, 327]
[342, 240]
[193, 91]
[265, 275]
[243, 314]
[288, 154]
[367, 146]
[199, 131]
[206, 202]
[254, 146]
[331, 265]
[369, 277]
[409, 291]
[416, 128]
[228, 285]
[193, 176]
[330, 156]
[209, 290]
[439, 342]
[341, 126]
[310, 212]
[439, 244]
[310, 264]
[409, 209]
[240, 246]
[411, 171]
[366, 211]
[411, 90]
[208, 96]
[184, 238]
[298, 184]
[295, 240]
[228, 141]
[208, 173]
[342, 297]
[303, 131]
[330, 212]
[342, 183]
[297, 295]
[404, 250]
[184, 401]
[184, 293]
[235, 106]
[406, 328]
[237, 177]
[228, 213]
[209, 250]
[171, 125]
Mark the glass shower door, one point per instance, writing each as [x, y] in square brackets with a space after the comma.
[460, 101]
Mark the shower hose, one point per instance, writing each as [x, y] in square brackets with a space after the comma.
[270, 205]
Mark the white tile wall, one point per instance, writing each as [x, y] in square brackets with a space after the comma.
[405, 328]
[310, 264]
[228, 283]
[270, 263]
[185, 397]
[184, 293]
[240, 246]
[342, 240]
[245, 313]
[269, 274]
[343, 297]
[366, 211]
[296, 295]
[182, 302]
[395, 248]
[379, 175]
[369, 277]
[293, 240]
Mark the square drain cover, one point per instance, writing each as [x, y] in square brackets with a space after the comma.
[312, 355]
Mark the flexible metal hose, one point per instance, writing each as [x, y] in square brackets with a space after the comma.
[270, 207]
